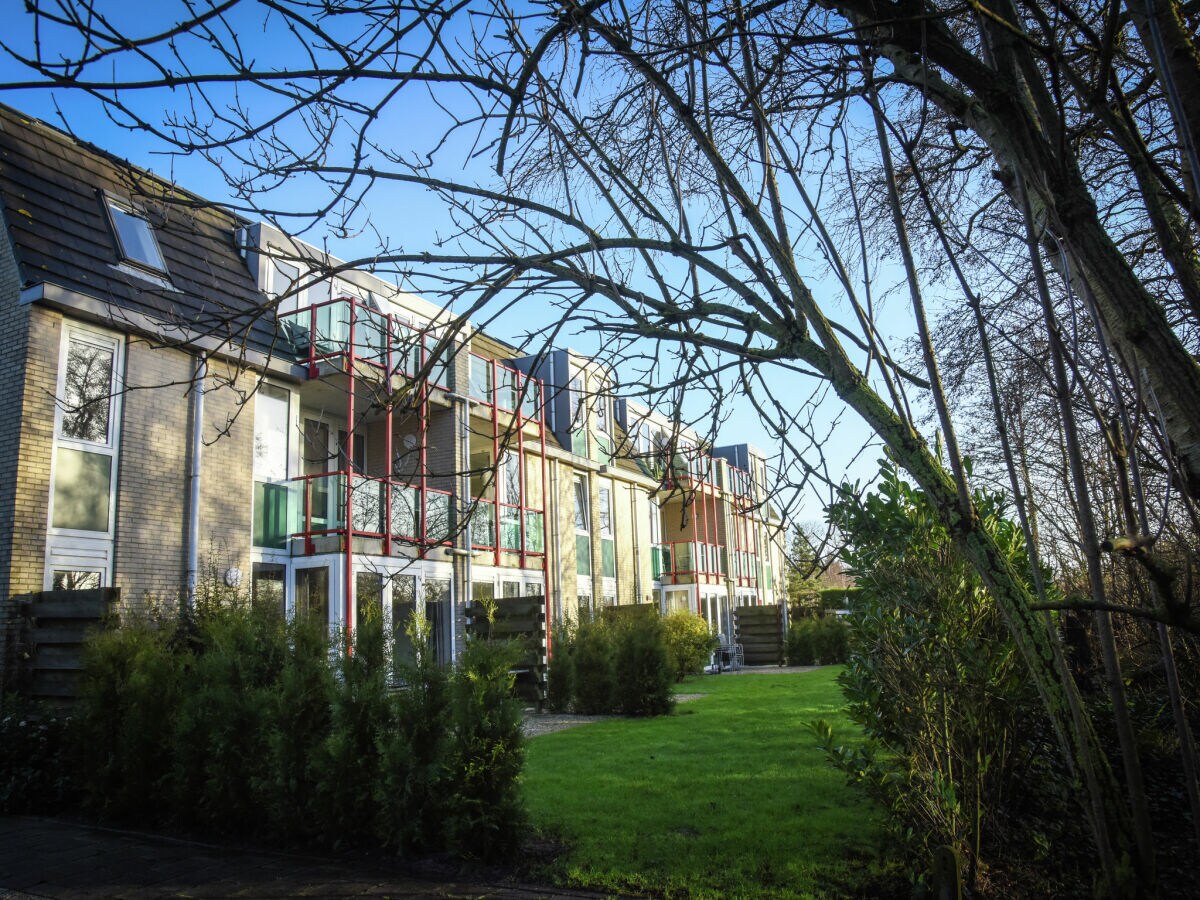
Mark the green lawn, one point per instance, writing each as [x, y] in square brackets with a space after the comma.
[729, 796]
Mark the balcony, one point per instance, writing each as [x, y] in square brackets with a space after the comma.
[484, 530]
[689, 559]
[506, 389]
[314, 506]
[346, 332]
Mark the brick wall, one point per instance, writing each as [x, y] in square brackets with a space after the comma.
[30, 509]
[151, 538]
[227, 474]
[14, 325]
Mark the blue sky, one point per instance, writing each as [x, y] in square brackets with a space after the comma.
[411, 218]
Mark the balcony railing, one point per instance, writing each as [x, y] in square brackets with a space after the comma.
[495, 384]
[679, 558]
[330, 330]
[483, 528]
[316, 506]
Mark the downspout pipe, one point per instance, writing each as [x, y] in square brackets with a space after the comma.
[197, 436]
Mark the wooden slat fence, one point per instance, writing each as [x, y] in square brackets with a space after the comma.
[521, 619]
[760, 632]
[53, 627]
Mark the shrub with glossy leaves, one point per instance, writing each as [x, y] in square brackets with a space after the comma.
[689, 643]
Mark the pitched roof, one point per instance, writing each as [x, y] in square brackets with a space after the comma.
[50, 188]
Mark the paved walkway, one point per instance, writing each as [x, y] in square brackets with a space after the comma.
[55, 858]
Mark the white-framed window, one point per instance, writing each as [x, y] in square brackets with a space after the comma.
[86, 429]
[603, 411]
[605, 510]
[134, 235]
[272, 466]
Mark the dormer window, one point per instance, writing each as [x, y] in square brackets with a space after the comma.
[135, 237]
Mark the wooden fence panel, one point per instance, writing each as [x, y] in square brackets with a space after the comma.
[55, 625]
[760, 632]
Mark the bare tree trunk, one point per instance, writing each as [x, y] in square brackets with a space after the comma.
[1091, 552]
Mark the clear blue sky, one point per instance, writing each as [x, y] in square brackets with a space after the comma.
[409, 218]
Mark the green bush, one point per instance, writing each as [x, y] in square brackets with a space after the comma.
[689, 643]
[560, 677]
[124, 723]
[414, 791]
[817, 641]
[958, 747]
[239, 723]
[298, 719]
[837, 598]
[486, 814]
[34, 773]
[642, 674]
[220, 757]
[593, 655]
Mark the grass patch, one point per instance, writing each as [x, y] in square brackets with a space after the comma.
[730, 796]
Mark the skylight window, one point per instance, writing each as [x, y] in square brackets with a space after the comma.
[135, 237]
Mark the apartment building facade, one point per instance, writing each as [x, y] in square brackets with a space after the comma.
[195, 396]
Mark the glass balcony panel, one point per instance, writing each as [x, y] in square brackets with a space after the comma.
[510, 528]
[506, 390]
[481, 379]
[333, 327]
[529, 400]
[441, 372]
[370, 335]
[325, 499]
[535, 536]
[294, 329]
[684, 558]
[367, 505]
[273, 507]
[406, 511]
[483, 524]
[437, 516]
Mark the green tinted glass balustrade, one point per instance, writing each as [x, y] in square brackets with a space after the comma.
[273, 505]
[685, 560]
[510, 528]
[481, 379]
[333, 327]
[370, 335]
[294, 328]
[326, 503]
[506, 390]
[535, 538]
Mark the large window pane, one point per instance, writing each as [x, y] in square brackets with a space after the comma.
[608, 559]
[81, 489]
[404, 625]
[87, 392]
[266, 587]
[312, 595]
[582, 519]
[368, 599]
[583, 554]
[271, 433]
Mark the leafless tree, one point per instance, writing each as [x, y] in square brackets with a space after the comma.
[730, 193]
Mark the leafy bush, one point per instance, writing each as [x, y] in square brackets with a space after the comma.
[689, 643]
[593, 655]
[957, 743]
[838, 598]
[817, 641]
[560, 678]
[34, 771]
[486, 813]
[615, 664]
[642, 677]
[239, 722]
[123, 728]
